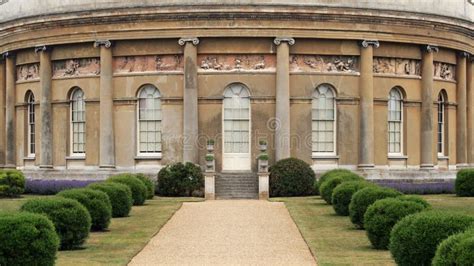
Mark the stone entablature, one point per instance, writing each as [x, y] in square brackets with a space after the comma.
[324, 64]
[149, 63]
[444, 71]
[27, 72]
[76, 68]
[397, 66]
[237, 63]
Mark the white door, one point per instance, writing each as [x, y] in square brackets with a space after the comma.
[236, 127]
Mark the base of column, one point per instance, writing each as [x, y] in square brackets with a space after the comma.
[462, 165]
[366, 166]
[9, 166]
[46, 167]
[427, 166]
[107, 167]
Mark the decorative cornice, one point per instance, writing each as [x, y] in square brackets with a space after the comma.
[279, 40]
[367, 43]
[430, 48]
[183, 41]
[105, 43]
[41, 48]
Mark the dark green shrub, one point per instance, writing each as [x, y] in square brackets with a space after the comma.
[414, 239]
[180, 180]
[96, 202]
[342, 195]
[328, 186]
[456, 250]
[150, 185]
[464, 185]
[139, 191]
[381, 217]
[291, 177]
[12, 183]
[27, 239]
[365, 197]
[71, 220]
[416, 199]
[120, 197]
[327, 175]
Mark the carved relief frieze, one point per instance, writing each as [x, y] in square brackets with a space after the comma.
[324, 63]
[397, 66]
[237, 62]
[76, 67]
[149, 63]
[27, 72]
[444, 71]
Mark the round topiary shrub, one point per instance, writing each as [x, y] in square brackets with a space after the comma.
[457, 249]
[291, 177]
[96, 202]
[365, 197]
[27, 239]
[327, 175]
[139, 192]
[381, 216]
[416, 199]
[120, 197]
[464, 184]
[150, 185]
[414, 239]
[12, 183]
[328, 186]
[342, 195]
[178, 180]
[71, 220]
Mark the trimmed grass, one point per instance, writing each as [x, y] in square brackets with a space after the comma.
[125, 238]
[334, 240]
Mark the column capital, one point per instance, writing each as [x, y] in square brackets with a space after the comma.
[463, 54]
[7, 54]
[367, 43]
[279, 40]
[193, 40]
[104, 43]
[430, 48]
[42, 48]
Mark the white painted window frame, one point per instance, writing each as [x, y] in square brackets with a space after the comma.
[71, 125]
[31, 136]
[316, 154]
[442, 105]
[401, 153]
[139, 152]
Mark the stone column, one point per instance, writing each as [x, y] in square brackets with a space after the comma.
[10, 76]
[461, 112]
[106, 128]
[190, 101]
[2, 112]
[366, 105]
[470, 110]
[282, 115]
[427, 134]
[46, 156]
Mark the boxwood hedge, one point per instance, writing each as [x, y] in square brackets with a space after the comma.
[362, 199]
[96, 202]
[342, 195]
[27, 239]
[150, 185]
[327, 175]
[457, 249]
[120, 197]
[12, 183]
[414, 240]
[71, 219]
[139, 191]
[332, 182]
[291, 177]
[464, 184]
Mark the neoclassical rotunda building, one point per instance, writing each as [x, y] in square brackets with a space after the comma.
[100, 86]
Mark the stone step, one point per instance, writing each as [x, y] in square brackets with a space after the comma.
[236, 186]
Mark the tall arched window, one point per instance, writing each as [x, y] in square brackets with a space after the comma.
[441, 123]
[149, 120]
[395, 122]
[78, 122]
[324, 120]
[30, 99]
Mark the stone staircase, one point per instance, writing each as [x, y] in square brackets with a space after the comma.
[236, 186]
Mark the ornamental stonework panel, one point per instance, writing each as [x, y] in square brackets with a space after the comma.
[27, 72]
[76, 67]
[324, 64]
[397, 66]
[149, 63]
[237, 63]
[444, 71]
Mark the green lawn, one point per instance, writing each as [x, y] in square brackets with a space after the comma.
[334, 240]
[125, 238]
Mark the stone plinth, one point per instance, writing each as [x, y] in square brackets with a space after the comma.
[209, 186]
[263, 186]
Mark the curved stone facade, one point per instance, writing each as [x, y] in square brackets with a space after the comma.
[122, 86]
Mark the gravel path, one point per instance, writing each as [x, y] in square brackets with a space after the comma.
[228, 232]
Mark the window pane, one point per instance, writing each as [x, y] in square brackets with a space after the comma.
[149, 120]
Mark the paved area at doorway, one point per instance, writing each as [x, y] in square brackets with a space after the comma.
[228, 232]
